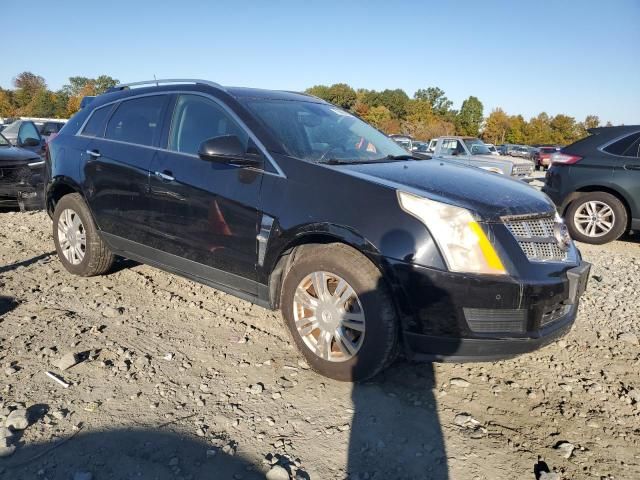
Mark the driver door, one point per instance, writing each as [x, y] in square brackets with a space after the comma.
[206, 213]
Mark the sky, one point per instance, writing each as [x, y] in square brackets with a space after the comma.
[572, 57]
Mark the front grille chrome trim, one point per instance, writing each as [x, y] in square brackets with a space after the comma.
[536, 237]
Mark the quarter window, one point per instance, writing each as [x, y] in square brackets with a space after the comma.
[95, 125]
[628, 146]
[196, 119]
[137, 120]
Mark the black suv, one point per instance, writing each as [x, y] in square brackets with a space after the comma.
[595, 182]
[293, 203]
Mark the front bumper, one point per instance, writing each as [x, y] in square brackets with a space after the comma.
[25, 197]
[457, 317]
[22, 188]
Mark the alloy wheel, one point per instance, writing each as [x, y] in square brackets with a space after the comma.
[594, 218]
[329, 316]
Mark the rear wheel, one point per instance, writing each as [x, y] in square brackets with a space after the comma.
[80, 249]
[597, 218]
[339, 312]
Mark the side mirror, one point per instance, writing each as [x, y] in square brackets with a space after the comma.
[226, 149]
[29, 142]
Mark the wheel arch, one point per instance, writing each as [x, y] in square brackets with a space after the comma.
[579, 192]
[285, 256]
[58, 188]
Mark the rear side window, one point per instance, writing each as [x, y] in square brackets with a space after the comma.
[628, 146]
[196, 119]
[95, 125]
[137, 120]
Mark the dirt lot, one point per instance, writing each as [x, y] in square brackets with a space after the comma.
[177, 380]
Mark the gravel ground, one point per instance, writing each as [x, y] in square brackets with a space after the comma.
[176, 380]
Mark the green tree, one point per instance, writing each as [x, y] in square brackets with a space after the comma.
[469, 119]
[564, 129]
[516, 133]
[440, 104]
[395, 100]
[339, 94]
[538, 130]
[378, 116]
[43, 104]
[591, 121]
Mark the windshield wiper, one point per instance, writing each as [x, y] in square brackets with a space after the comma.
[388, 158]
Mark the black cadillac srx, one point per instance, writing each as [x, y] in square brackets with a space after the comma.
[293, 203]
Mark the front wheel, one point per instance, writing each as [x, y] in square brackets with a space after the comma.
[597, 218]
[339, 312]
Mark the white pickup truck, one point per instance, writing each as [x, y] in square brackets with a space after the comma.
[472, 151]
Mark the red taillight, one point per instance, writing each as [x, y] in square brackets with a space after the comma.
[564, 159]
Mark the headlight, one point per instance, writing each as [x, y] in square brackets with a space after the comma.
[461, 239]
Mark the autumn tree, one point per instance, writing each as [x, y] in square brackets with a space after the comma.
[6, 104]
[27, 85]
[496, 126]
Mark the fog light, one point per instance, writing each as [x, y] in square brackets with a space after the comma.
[487, 320]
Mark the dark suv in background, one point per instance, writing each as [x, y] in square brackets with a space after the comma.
[293, 203]
[595, 182]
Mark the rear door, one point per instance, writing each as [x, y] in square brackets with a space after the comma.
[625, 153]
[116, 167]
[207, 211]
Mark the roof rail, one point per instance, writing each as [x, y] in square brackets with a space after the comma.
[123, 86]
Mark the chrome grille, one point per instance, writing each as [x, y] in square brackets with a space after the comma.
[537, 239]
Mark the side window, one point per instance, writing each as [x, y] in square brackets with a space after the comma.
[628, 146]
[196, 119]
[460, 148]
[448, 146]
[137, 120]
[95, 125]
[27, 130]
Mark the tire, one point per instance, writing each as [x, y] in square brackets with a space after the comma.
[95, 257]
[376, 343]
[610, 207]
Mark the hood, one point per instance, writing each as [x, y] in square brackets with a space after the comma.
[489, 195]
[15, 155]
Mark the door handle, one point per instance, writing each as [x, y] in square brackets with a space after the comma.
[167, 176]
[94, 153]
[632, 167]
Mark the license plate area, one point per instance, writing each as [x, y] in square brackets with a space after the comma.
[578, 278]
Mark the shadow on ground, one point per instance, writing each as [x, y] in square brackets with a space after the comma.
[125, 454]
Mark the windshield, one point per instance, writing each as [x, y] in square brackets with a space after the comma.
[476, 146]
[323, 133]
[3, 141]
[11, 130]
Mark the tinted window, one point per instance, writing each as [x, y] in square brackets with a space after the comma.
[628, 146]
[95, 125]
[28, 130]
[137, 121]
[196, 119]
[320, 133]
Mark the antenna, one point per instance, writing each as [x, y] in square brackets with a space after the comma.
[154, 77]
